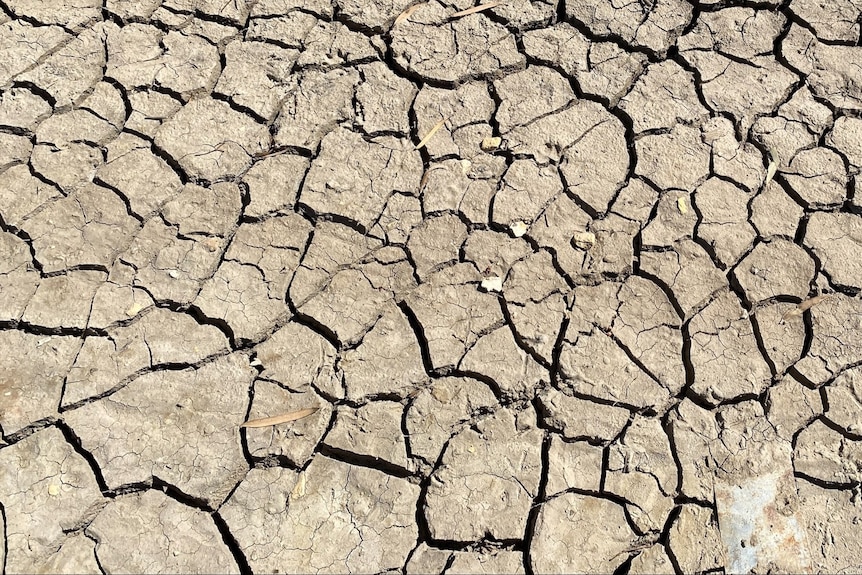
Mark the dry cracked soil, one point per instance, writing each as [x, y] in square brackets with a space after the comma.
[573, 285]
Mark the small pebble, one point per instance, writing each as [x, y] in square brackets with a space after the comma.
[491, 143]
[493, 283]
[518, 229]
[584, 240]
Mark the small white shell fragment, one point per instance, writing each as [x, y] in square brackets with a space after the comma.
[465, 166]
[255, 363]
[174, 274]
[681, 205]
[584, 240]
[493, 283]
[518, 229]
[491, 143]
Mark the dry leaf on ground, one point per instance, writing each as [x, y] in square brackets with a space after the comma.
[805, 306]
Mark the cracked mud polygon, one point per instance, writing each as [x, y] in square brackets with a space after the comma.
[606, 318]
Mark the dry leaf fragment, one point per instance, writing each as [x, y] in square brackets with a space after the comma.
[407, 12]
[493, 283]
[283, 418]
[813, 301]
[431, 133]
[804, 306]
[681, 205]
[299, 489]
[474, 9]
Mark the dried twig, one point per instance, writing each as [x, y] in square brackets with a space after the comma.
[431, 133]
[643, 543]
[474, 9]
[408, 12]
[283, 418]
[427, 174]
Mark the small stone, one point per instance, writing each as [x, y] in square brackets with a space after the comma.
[518, 229]
[493, 283]
[681, 205]
[54, 489]
[135, 308]
[491, 143]
[584, 240]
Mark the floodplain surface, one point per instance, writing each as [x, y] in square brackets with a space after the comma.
[553, 285]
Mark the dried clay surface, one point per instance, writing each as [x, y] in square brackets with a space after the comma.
[430, 286]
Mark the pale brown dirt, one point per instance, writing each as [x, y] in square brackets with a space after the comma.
[607, 318]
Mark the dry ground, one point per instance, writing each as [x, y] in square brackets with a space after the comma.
[607, 317]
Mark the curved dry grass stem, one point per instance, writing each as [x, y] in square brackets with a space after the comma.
[474, 9]
[431, 133]
[407, 13]
[283, 418]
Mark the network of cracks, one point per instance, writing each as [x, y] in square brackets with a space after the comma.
[573, 285]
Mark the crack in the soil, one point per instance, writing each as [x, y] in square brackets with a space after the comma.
[380, 37]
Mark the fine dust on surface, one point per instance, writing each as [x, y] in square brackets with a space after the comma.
[530, 286]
